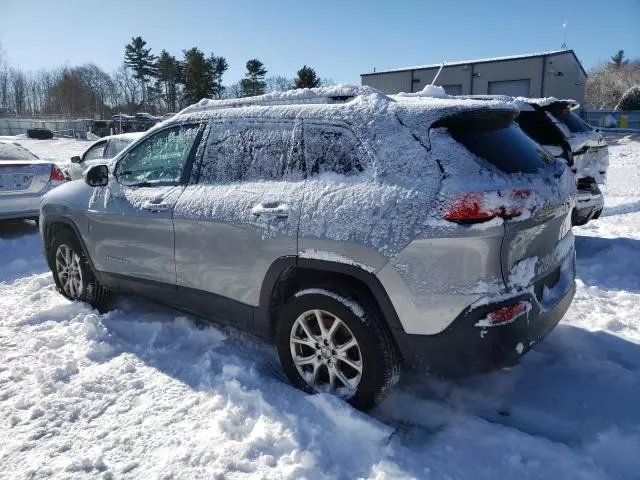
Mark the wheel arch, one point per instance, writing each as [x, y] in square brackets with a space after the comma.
[288, 274]
[51, 222]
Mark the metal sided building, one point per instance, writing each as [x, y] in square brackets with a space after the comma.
[547, 74]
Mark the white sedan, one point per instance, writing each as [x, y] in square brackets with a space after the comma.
[104, 149]
[24, 178]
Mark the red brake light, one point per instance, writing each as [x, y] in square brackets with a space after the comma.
[475, 207]
[56, 174]
[504, 315]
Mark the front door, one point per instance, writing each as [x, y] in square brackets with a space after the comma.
[130, 220]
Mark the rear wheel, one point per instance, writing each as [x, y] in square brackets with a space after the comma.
[329, 343]
[71, 270]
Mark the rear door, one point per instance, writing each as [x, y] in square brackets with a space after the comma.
[240, 215]
[130, 221]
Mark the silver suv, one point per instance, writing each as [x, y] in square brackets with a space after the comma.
[358, 232]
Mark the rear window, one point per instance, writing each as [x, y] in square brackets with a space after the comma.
[498, 140]
[540, 128]
[573, 122]
[9, 151]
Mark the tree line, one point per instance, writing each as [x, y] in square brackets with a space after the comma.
[144, 82]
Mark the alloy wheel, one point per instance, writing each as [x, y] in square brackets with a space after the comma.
[69, 271]
[326, 353]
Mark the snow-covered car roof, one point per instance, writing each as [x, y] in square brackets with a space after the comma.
[131, 136]
[346, 103]
[525, 103]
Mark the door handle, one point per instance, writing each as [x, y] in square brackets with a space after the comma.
[156, 207]
[271, 209]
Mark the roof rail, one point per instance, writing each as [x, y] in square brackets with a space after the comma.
[322, 95]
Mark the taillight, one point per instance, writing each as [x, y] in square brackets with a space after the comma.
[56, 174]
[475, 207]
[504, 315]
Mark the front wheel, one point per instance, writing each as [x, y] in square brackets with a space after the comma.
[330, 343]
[71, 270]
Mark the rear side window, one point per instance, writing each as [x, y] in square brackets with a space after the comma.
[573, 122]
[9, 151]
[114, 147]
[500, 142]
[242, 149]
[331, 148]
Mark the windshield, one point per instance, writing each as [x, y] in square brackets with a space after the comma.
[573, 122]
[10, 151]
[498, 140]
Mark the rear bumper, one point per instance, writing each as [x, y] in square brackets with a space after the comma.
[23, 205]
[465, 349]
[588, 207]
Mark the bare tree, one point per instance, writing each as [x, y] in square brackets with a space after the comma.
[278, 83]
[608, 82]
[127, 88]
[18, 90]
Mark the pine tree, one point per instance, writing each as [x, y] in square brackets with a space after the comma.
[253, 83]
[142, 62]
[306, 78]
[219, 65]
[198, 76]
[167, 72]
[618, 60]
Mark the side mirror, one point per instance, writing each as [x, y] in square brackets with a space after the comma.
[97, 176]
[76, 159]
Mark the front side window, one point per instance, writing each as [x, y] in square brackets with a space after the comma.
[330, 148]
[160, 158]
[249, 150]
[96, 152]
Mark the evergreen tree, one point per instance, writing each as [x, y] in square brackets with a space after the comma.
[253, 83]
[198, 76]
[306, 78]
[167, 72]
[142, 62]
[618, 60]
[219, 65]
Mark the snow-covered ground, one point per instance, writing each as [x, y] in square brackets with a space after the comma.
[144, 392]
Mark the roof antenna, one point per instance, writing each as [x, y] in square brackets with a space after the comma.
[565, 24]
[437, 74]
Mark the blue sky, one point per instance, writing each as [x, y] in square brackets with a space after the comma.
[340, 39]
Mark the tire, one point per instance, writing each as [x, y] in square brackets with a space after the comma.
[86, 287]
[374, 352]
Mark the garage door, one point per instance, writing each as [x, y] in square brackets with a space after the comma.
[453, 89]
[514, 88]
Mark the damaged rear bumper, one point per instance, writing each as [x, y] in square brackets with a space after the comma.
[465, 348]
[589, 205]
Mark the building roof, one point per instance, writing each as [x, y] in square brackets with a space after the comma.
[481, 60]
